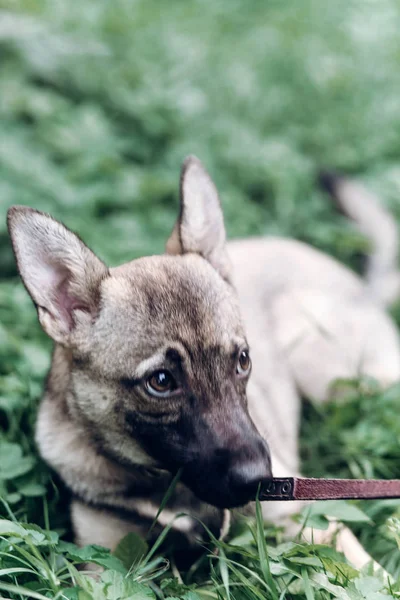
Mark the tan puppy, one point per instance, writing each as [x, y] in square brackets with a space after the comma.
[151, 366]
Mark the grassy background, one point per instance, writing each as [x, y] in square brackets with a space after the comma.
[99, 104]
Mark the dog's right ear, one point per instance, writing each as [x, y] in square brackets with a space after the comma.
[60, 273]
[200, 226]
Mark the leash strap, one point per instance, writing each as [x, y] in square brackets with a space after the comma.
[299, 488]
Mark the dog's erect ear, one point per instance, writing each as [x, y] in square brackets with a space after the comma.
[200, 227]
[60, 273]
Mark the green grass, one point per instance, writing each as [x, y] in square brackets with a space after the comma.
[99, 104]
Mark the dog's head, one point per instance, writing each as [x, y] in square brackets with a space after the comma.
[157, 354]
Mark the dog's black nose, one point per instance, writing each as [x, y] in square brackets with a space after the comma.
[229, 481]
[227, 472]
[245, 477]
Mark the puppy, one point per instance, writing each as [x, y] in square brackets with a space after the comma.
[196, 360]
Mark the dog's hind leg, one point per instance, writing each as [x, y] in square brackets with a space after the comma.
[325, 337]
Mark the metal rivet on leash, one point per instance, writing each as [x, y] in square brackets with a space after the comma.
[286, 487]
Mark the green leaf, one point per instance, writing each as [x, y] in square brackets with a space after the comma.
[340, 570]
[32, 490]
[95, 554]
[316, 514]
[315, 521]
[119, 587]
[370, 588]
[131, 549]
[311, 561]
[50, 537]
[13, 498]
[76, 593]
[12, 462]
[71, 593]
[344, 511]
[323, 582]
[30, 533]
[8, 528]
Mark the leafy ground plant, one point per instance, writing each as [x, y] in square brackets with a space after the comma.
[99, 104]
[35, 564]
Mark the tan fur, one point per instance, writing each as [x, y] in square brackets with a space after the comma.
[307, 319]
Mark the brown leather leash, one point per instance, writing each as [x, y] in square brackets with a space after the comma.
[306, 488]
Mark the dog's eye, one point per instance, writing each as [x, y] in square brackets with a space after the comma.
[161, 383]
[244, 363]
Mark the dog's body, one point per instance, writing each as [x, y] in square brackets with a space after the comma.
[143, 380]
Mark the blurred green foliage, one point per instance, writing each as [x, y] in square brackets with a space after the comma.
[99, 104]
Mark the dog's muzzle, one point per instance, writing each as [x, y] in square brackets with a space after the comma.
[228, 479]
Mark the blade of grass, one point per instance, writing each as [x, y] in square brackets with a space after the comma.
[12, 570]
[247, 582]
[161, 538]
[236, 567]
[164, 501]
[17, 589]
[263, 551]
[223, 569]
[307, 585]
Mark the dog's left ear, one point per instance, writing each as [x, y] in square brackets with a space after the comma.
[200, 226]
